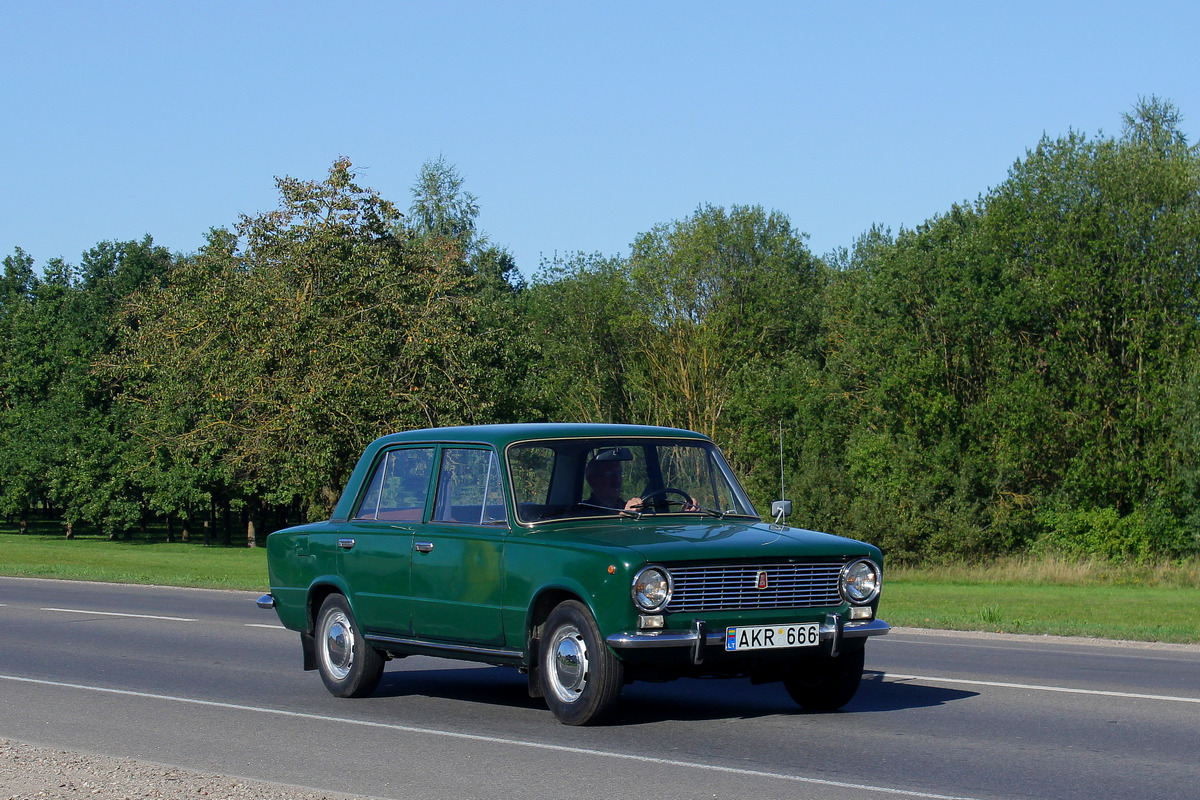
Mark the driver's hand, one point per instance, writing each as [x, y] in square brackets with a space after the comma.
[633, 504]
[690, 505]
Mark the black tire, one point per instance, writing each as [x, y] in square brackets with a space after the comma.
[826, 684]
[580, 676]
[348, 665]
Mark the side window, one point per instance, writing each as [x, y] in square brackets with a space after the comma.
[532, 468]
[399, 486]
[469, 488]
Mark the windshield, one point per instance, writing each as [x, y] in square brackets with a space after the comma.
[569, 478]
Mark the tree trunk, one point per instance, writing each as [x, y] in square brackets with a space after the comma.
[251, 527]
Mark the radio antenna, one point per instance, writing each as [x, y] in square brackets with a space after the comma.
[781, 507]
[782, 491]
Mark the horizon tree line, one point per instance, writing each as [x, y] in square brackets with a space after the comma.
[1017, 374]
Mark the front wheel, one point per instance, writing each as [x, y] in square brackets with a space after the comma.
[826, 684]
[581, 677]
[349, 666]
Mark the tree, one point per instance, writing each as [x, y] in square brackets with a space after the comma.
[65, 443]
[1155, 125]
[722, 291]
[584, 316]
[911, 324]
[20, 450]
[1100, 235]
[445, 215]
[1013, 369]
[441, 208]
[265, 363]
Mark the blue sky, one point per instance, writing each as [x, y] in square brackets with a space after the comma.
[577, 125]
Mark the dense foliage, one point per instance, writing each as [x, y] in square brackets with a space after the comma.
[1021, 373]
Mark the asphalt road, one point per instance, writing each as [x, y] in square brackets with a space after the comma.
[205, 680]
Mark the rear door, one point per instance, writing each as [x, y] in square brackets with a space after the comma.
[376, 543]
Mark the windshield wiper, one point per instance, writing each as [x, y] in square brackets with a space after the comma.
[609, 509]
[713, 512]
[602, 508]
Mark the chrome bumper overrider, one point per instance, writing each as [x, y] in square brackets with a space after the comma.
[833, 630]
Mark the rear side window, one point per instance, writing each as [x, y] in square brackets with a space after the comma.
[469, 488]
[399, 487]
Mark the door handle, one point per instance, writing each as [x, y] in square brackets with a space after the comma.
[423, 547]
[346, 544]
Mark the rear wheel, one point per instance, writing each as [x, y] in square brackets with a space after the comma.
[348, 665]
[826, 684]
[581, 677]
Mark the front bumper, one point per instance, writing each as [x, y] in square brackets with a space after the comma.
[833, 631]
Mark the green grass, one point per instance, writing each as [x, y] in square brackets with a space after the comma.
[95, 558]
[1156, 603]
[1139, 602]
[1125, 612]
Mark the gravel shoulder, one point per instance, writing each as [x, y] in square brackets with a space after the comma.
[29, 772]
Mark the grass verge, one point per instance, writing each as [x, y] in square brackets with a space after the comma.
[1044, 596]
[95, 558]
[1154, 603]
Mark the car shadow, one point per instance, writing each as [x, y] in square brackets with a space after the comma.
[501, 686]
[699, 699]
[686, 699]
[876, 694]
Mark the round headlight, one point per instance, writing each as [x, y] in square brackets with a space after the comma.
[861, 581]
[652, 589]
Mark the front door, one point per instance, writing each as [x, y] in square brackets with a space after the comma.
[458, 556]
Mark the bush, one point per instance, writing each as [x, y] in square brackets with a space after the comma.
[1145, 534]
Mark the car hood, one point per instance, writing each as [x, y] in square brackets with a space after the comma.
[713, 540]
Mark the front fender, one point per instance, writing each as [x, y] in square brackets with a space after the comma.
[541, 575]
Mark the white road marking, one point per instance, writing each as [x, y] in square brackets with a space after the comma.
[474, 737]
[117, 614]
[1037, 688]
[261, 625]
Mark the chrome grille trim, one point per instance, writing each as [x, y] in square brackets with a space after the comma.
[734, 587]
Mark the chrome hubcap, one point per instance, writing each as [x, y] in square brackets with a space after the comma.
[337, 649]
[569, 668]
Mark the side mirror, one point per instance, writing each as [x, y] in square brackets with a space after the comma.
[780, 509]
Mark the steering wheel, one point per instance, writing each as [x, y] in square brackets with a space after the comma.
[665, 492]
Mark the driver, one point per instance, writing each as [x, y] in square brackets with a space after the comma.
[605, 477]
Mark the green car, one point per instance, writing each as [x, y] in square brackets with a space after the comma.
[586, 556]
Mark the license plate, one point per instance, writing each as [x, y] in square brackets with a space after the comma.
[766, 637]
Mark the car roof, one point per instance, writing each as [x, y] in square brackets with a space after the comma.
[501, 436]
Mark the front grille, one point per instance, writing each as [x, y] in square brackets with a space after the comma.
[735, 587]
